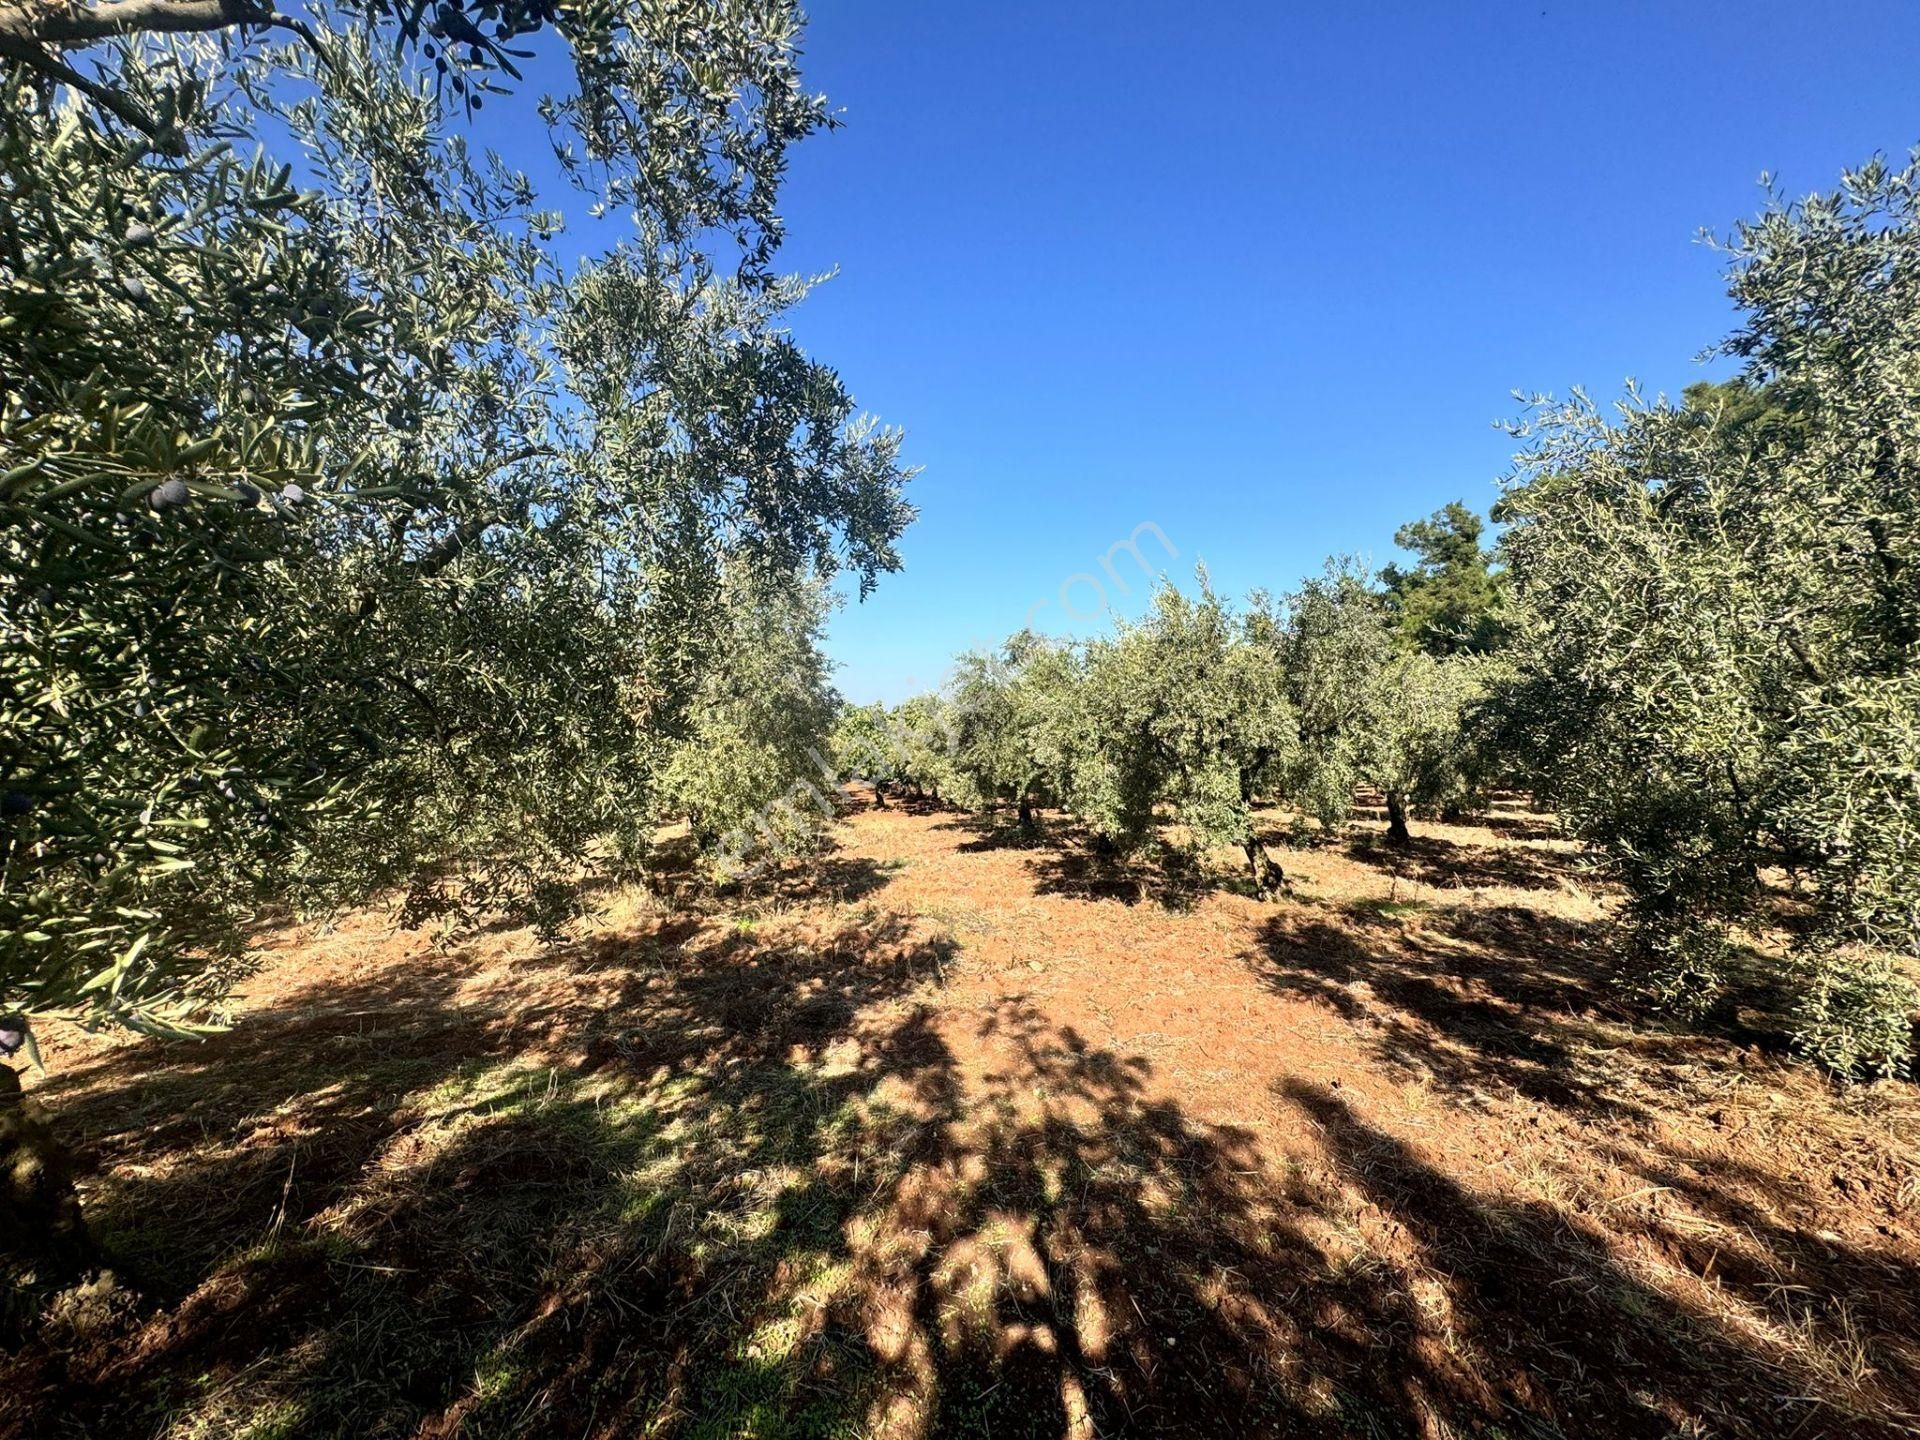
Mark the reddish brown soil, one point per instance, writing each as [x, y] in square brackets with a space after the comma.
[950, 1134]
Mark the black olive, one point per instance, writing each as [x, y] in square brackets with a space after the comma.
[15, 802]
[167, 494]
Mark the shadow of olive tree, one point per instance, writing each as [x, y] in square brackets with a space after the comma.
[729, 1179]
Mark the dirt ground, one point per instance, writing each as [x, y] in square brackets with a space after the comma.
[950, 1134]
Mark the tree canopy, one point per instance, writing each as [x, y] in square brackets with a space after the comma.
[1717, 625]
[351, 540]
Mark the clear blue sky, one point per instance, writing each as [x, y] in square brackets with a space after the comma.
[1265, 275]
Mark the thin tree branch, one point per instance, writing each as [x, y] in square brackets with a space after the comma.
[304, 31]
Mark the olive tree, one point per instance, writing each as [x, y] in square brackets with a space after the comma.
[1717, 627]
[925, 734]
[1014, 721]
[350, 542]
[1334, 643]
[1419, 747]
[864, 747]
[1185, 712]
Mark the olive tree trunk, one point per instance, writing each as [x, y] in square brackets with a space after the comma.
[1267, 875]
[1397, 830]
[43, 1240]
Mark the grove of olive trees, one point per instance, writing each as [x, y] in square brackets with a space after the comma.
[356, 544]
[1697, 641]
[1197, 714]
[352, 540]
[371, 534]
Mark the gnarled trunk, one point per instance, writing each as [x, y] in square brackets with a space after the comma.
[1397, 830]
[1026, 812]
[1267, 876]
[43, 1240]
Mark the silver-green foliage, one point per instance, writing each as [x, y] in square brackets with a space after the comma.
[1419, 744]
[1185, 712]
[924, 733]
[1014, 719]
[751, 771]
[864, 747]
[1718, 633]
[1334, 642]
[348, 541]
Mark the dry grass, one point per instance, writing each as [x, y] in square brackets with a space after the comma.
[946, 1135]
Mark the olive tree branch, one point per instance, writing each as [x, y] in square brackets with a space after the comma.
[31, 30]
[44, 62]
[38, 22]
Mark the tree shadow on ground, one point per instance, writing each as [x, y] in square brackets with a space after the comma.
[1449, 864]
[709, 1181]
[1484, 998]
[1504, 1010]
[1527, 1308]
[996, 830]
[907, 803]
[1519, 826]
[830, 878]
[1437, 996]
[1170, 878]
[1069, 860]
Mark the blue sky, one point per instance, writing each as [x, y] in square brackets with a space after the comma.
[1265, 276]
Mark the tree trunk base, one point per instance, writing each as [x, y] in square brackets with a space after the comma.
[1267, 876]
[44, 1243]
[1397, 832]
